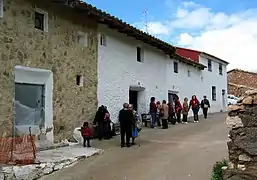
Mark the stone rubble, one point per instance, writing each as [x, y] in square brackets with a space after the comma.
[50, 161]
[242, 147]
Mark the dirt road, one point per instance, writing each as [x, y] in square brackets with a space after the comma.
[182, 152]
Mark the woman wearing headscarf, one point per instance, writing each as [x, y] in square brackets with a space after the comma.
[107, 124]
[195, 105]
[99, 122]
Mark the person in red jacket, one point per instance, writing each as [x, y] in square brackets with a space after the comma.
[195, 105]
[86, 134]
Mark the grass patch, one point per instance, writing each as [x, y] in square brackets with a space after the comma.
[217, 171]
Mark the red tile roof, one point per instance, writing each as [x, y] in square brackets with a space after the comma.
[188, 53]
[193, 55]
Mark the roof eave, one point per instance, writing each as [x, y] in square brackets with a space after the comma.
[122, 27]
[189, 62]
[223, 61]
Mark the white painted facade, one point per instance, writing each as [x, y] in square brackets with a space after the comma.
[118, 70]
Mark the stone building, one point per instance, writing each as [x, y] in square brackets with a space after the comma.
[240, 81]
[48, 57]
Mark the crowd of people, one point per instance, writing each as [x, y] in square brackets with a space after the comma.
[130, 122]
[171, 112]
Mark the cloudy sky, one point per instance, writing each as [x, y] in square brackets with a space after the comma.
[226, 29]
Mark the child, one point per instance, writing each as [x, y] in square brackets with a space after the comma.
[86, 134]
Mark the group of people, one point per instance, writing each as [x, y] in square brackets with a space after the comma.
[130, 126]
[130, 122]
[102, 127]
[171, 112]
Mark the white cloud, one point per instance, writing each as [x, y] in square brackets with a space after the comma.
[232, 37]
[181, 13]
[190, 4]
[195, 19]
[185, 39]
[158, 28]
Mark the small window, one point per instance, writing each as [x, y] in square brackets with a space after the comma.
[139, 54]
[213, 93]
[220, 69]
[175, 67]
[1, 8]
[202, 78]
[79, 80]
[209, 65]
[82, 39]
[188, 73]
[103, 40]
[41, 20]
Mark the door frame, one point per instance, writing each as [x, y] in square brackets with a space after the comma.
[38, 76]
[141, 106]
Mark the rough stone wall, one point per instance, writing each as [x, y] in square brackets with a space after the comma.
[241, 77]
[56, 50]
[237, 90]
[242, 147]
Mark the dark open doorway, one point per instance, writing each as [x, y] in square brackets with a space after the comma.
[171, 97]
[133, 97]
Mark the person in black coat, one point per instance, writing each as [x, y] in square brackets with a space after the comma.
[205, 105]
[126, 121]
[107, 124]
[99, 122]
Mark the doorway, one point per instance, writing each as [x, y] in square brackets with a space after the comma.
[171, 97]
[133, 99]
[29, 106]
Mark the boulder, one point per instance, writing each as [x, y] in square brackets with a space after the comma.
[234, 122]
[232, 108]
[248, 100]
[251, 92]
[244, 157]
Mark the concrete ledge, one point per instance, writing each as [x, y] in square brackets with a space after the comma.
[50, 161]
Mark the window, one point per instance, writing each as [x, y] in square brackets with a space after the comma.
[82, 39]
[220, 69]
[41, 20]
[103, 40]
[188, 73]
[175, 67]
[79, 80]
[1, 8]
[202, 78]
[213, 93]
[139, 54]
[209, 65]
